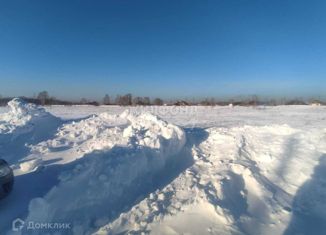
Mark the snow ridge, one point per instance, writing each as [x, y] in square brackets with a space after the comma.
[240, 183]
[112, 167]
[23, 126]
[21, 114]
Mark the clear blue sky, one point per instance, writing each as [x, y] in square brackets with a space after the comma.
[166, 48]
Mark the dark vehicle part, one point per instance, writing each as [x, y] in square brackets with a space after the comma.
[6, 179]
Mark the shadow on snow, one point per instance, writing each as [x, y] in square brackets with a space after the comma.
[108, 198]
[309, 204]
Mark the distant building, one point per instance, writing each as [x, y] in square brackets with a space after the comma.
[181, 103]
[315, 103]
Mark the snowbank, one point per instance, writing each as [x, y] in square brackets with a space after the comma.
[110, 161]
[23, 125]
[251, 180]
[21, 114]
[253, 171]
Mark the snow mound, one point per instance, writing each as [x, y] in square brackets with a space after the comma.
[20, 114]
[22, 126]
[133, 173]
[110, 161]
[103, 132]
[242, 178]
[149, 131]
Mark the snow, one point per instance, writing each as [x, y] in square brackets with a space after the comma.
[21, 114]
[165, 170]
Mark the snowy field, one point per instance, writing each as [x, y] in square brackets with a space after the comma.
[164, 170]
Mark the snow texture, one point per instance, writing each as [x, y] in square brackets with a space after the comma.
[223, 170]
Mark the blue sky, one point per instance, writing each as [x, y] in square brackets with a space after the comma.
[167, 48]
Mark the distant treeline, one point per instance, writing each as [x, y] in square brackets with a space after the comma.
[43, 98]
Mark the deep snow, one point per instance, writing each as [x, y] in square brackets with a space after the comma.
[192, 170]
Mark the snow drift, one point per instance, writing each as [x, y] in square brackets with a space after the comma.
[241, 170]
[25, 124]
[21, 115]
[244, 180]
[110, 161]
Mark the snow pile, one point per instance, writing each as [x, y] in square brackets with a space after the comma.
[149, 131]
[110, 161]
[249, 179]
[103, 132]
[76, 138]
[21, 114]
[252, 171]
[22, 126]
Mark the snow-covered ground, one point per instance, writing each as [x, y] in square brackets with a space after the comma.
[164, 170]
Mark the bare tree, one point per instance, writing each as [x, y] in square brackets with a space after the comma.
[83, 101]
[212, 102]
[272, 102]
[205, 102]
[124, 100]
[158, 101]
[146, 101]
[117, 99]
[106, 99]
[137, 101]
[255, 100]
[43, 96]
